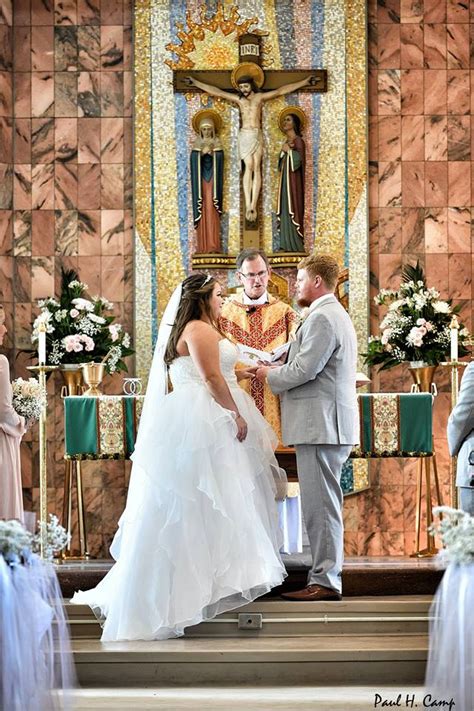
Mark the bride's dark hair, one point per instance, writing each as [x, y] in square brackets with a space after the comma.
[195, 301]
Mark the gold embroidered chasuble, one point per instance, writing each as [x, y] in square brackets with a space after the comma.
[265, 327]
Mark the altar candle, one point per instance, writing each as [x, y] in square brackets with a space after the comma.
[42, 344]
[454, 339]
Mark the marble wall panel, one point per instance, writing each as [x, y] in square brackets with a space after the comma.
[57, 163]
[436, 109]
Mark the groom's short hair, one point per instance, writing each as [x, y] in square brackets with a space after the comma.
[322, 265]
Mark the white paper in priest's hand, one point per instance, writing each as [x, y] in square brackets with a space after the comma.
[251, 356]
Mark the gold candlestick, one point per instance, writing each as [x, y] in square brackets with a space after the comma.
[454, 366]
[43, 444]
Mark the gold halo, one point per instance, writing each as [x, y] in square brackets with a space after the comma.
[207, 113]
[292, 110]
[249, 69]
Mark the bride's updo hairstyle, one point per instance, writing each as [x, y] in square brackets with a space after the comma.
[195, 298]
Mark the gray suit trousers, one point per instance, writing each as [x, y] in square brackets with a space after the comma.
[319, 474]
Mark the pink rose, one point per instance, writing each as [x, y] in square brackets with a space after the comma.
[74, 313]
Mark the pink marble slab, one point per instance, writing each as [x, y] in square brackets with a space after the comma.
[6, 50]
[43, 187]
[6, 12]
[89, 242]
[42, 48]
[460, 276]
[111, 12]
[434, 11]
[413, 230]
[65, 140]
[459, 181]
[42, 94]
[435, 46]
[88, 12]
[388, 11]
[65, 186]
[6, 186]
[42, 233]
[413, 178]
[112, 186]
[65, 48]
[89, 136]
[436, 184]
[435, 91]
[88, 186]
[458, 47]
[66, 232]
[128, 93]
[22, 187]
[21, 12]
[6, 232]
[42, 140]
[112, 140]
[88, 40]
[411, 50]
[42, 277]
[389, 92]
[22, 45]
[22, 141]
[6, 279]
[111, 93]
[436, 138]
[413, 138]
[390, 230]
[112, 232]
[65, 12]
[459, 90]
[411, 11]
[22, 233]
[389, 184]
[412, 98]
[88, 96]
[6, 139]
[459, 229]
[436, 270]
[388, 46]
[436, 229]
[66, 94]
[42, 12]
[459, 138]
[111, 48]
[6, 94]
[22, 279]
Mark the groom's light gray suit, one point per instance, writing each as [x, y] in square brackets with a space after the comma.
[461, 439]
[319, 413]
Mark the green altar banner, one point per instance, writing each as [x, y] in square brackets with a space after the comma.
[391, 425]
[101, 427]
[395, 425]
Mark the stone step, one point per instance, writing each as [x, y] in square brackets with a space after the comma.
[278, 618]
[317, 660]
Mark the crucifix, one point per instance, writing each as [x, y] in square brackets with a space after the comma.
[247, 80]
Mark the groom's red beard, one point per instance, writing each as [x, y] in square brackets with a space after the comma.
[304, 303]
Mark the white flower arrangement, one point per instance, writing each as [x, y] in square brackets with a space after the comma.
[416, 326]
[17, 544]
[456, 530]
[80, 330]
[28, 398]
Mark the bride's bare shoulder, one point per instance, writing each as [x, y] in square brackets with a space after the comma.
[199, 329]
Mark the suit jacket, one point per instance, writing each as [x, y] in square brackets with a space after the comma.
[317, 386]
[461, 428]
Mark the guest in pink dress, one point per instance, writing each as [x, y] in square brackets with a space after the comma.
[12, 429]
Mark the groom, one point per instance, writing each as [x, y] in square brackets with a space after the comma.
[317, 388]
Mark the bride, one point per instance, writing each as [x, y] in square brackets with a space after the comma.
[199, 534]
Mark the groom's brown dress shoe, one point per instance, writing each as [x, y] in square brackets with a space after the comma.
[312, 593]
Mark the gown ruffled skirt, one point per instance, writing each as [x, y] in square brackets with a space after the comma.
[199, 534]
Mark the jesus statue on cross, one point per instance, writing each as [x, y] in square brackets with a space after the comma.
[250, 100]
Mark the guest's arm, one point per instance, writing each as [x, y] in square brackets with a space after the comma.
[11, 423]
[461, 420]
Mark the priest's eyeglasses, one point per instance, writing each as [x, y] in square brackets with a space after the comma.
[251, 276]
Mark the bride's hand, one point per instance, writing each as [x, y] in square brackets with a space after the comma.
[246, 373]
[241, 428]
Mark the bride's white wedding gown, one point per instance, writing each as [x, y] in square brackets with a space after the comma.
[199, 534]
